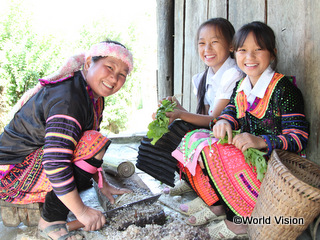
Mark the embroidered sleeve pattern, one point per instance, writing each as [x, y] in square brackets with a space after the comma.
[294, 135]
[62, 135]
[229, 114]
[295, 128]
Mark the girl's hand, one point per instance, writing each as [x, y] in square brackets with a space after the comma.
[154, 116]
[243, 141]
[92, 219]
[221, 128]
[173, 99]
[174, 115]
[108, 190]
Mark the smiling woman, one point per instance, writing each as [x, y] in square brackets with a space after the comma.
[55, 140]
[107, 76]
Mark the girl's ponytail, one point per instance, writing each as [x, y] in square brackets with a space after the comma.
[201, 93]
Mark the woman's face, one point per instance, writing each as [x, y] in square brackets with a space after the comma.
[252, 59]
[213, 49]
[105, 76]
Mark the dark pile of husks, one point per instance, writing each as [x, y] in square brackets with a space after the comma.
[145, 221]
[173, 228]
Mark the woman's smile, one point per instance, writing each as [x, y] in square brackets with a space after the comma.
[107, 85]
[106, 76]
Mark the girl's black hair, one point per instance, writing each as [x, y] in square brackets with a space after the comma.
[202, 88]
[227, 31]
[96, 58]
[264, 36]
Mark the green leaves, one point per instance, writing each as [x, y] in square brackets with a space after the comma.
[225, 139]
[254, 157]
[159, 126]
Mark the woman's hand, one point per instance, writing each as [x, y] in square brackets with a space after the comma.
[243, 141]
[108, 190]
[221, 128]
[92, 219]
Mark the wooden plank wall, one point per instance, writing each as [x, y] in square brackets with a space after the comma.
[165, 29]
[296, 25]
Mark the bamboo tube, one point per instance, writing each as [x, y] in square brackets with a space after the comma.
[119, 168]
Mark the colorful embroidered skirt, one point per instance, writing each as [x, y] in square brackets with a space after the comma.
[26, 182]
[235, 180]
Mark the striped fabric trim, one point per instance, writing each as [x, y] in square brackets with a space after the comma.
[62, 184]
[294, 115]
[65, 117]
[55, 171]
[297, 140]
[261, 108]
[64, 136]
[284, 142]
[231, 119]
[240, 102]
[295, 131]
[60, 150]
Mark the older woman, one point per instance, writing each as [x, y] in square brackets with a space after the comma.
[52, 148]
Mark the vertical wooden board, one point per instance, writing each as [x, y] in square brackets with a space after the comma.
[178, 48]
[290, 36]
[244, 11]
[311, 75]
[196, 13]
[217, 8]
[165, 24]
[298, 52]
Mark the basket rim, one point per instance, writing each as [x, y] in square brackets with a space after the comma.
[286, 169]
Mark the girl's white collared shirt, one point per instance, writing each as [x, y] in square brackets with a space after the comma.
[260, 88]
[219, 85]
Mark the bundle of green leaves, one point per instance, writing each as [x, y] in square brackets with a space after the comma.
[254, 157]
[159, 126]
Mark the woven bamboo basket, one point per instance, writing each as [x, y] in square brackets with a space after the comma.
[289, 198]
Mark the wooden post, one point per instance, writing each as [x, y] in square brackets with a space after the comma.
[165, 23]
